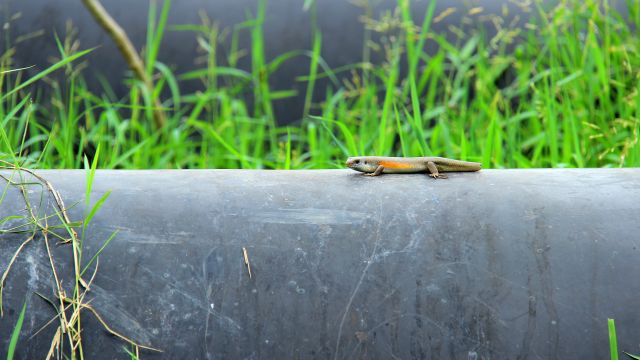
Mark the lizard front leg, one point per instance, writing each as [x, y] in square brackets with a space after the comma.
[433, 171]
[378, 171]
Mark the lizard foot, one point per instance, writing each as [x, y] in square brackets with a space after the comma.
[439, 176]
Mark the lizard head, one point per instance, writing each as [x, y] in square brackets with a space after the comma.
[362, 163]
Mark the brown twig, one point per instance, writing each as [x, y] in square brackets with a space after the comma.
[246, 260]
[6, 272]
[128, 51]
[33, 216]
[113, 332]
[60, 291]
[52, 190]
[50, 320]
[55, 344]
[69, 321]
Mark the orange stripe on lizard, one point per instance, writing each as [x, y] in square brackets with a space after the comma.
[396, 165]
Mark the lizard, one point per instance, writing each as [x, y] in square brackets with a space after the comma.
[434, 166]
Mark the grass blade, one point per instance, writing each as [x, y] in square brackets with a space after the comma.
[16, 333]
[91, 175]
[95, 208]
[47, 71]
[95, 256]
[613, 341]
[156, 34]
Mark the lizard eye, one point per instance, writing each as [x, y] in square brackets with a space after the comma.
[365, 163]
[357, 161]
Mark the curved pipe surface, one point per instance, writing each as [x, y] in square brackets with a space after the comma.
[496, 264]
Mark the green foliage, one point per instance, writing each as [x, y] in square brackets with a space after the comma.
[34, 225]
[559, 90]
[613, 341]
[13, 343]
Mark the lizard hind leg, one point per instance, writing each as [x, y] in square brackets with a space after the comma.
[433, 171]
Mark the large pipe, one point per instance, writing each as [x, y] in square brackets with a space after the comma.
[499, 264]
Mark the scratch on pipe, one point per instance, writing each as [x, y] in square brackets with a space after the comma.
[228, 322]
[246, 260]
[355, 290]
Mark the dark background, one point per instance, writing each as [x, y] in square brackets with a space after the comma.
[287, 27]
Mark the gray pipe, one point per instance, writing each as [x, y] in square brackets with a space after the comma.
[500, 264]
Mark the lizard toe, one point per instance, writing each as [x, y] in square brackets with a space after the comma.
[439, 176]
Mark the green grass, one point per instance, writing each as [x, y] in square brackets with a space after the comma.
[36, 226]
[561, 91]
[15, 334]
[613, 342]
